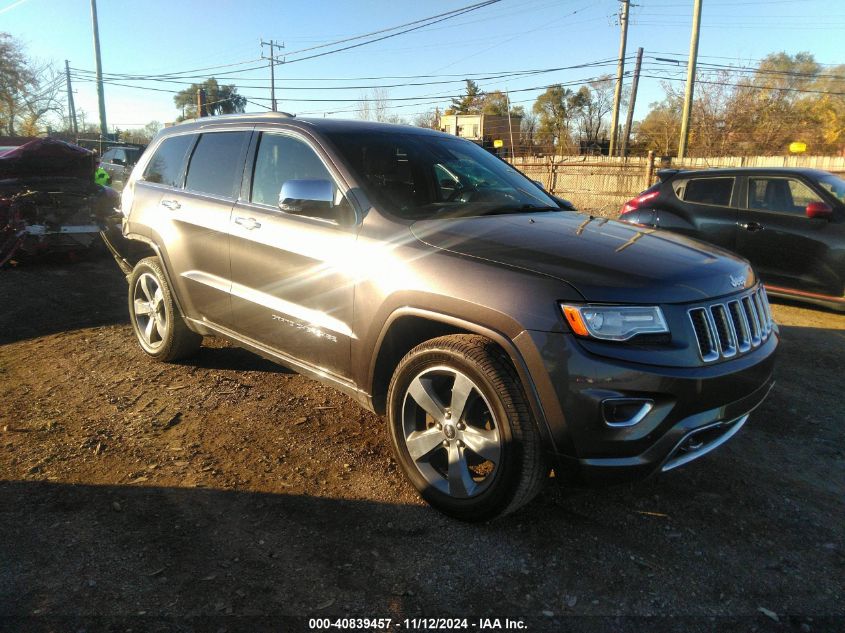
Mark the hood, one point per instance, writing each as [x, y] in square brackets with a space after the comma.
[604, 260]
[47, 157]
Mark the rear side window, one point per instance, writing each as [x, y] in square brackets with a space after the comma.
[716, 191]
[216, 166]
[165, 167]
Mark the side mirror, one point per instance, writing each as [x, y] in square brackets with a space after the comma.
[819, 210]
[307, 197]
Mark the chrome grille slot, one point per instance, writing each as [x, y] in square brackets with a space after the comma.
[704, 333]
[723, 330]
[767, 307]
[743, 333]
[753, 320]
[765, 326]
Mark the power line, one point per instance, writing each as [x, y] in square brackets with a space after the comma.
[451, 15]
[751, 86]
[501, 75]
[459, 76]
[393, 28]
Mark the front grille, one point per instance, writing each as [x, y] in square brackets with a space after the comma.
[731, 328]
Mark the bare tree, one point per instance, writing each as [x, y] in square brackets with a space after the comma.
[429, 119]
[373, 106]
[590, 107]
[29, 90]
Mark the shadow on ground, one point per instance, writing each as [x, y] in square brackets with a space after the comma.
[51, 297]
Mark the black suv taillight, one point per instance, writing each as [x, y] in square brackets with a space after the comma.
[636, 203]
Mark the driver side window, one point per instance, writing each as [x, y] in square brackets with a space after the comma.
[279, 159]
[781, 195]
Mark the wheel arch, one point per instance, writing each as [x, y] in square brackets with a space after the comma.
[148, 248]
[407, 327]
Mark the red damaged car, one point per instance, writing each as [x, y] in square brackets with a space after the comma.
[49, 201]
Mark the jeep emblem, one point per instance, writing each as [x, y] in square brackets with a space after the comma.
[737, 282]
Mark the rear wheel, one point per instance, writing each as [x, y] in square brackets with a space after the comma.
[158, 325]
[462, 430]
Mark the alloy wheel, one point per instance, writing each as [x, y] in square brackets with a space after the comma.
[149, 311]
[450, 432]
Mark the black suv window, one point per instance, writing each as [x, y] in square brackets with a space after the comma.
[715, 191]
[216, 166]
[281, 158]
[165, 167]
[782, 195]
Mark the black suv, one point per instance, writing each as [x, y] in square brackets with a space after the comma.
[789, 223]
[500, 334]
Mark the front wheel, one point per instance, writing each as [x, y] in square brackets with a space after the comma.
[158, 325]
[462, 430]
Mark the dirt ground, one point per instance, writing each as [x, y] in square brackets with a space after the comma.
[227, 493]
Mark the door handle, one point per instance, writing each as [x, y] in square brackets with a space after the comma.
[171, 204]
[750, 226]
[248, 223]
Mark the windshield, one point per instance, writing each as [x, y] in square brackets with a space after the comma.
[417, 176]
[834, 185]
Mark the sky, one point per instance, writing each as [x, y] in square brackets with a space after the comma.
[156, 37]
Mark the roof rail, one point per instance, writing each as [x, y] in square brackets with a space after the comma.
[217, 117]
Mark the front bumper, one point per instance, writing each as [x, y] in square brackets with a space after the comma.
[694, 410]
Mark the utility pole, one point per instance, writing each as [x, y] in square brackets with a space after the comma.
[201, 106]
[632, 102]
[71, 110]
[620, 70]
[510, 125]
[104, 130]
[690, 89]
[273, 63]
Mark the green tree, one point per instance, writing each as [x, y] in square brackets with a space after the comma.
[552, 110]
[660, 130]
[219, 99]
[469, 103]
[496, 102]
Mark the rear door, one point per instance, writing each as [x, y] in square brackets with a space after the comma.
[193, 220]
[704, 208]
[292, 275]
[787, 248]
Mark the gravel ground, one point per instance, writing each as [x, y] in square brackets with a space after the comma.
[227, 493]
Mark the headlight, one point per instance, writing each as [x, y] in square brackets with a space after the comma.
[614, 323]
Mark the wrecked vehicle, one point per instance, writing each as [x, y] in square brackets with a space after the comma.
[49, 202]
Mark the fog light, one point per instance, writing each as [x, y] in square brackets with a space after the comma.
[620, 412]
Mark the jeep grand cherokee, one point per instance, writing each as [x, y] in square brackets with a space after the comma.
[500, 335]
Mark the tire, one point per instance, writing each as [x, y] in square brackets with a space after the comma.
[479, 457]
[156, 320]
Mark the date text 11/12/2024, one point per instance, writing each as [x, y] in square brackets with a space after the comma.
[416, 624]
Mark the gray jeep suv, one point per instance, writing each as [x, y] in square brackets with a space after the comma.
[500, 334]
